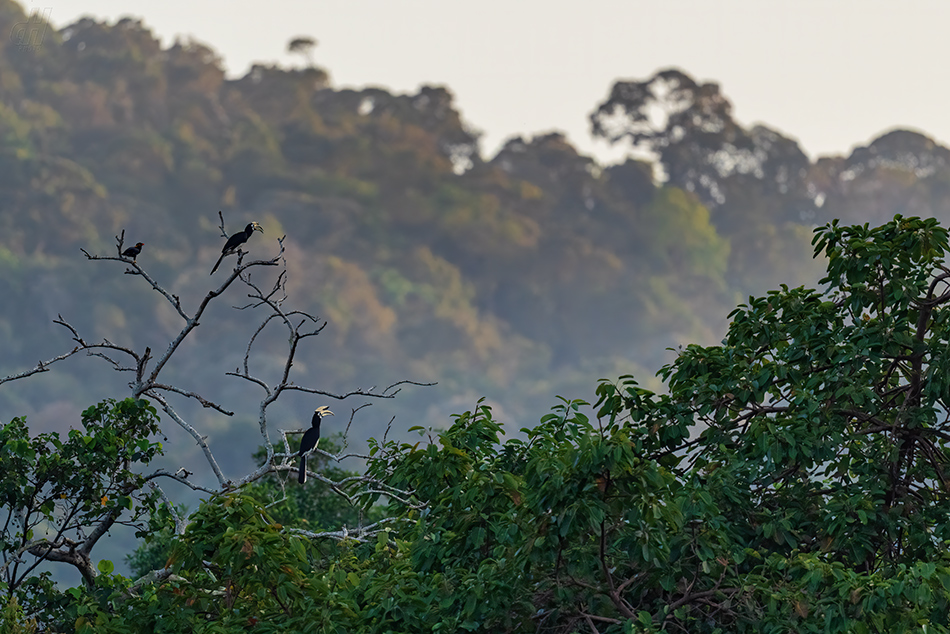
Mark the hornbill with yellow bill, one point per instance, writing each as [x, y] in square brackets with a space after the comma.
[310, 439]
[235, 241]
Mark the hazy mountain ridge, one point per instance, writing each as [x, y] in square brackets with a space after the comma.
[529, 274]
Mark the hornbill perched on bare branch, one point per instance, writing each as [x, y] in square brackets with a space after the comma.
[133, 252]
[310, 439]
[235, 241]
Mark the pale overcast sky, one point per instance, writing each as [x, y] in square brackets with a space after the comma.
[832, 73]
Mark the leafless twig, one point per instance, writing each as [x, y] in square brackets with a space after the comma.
[298, 326]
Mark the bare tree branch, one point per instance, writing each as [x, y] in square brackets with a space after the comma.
[201, 440]
[357, 392]
[181, 476]
[360, 534]
[179, 522]
[298, 325]
[41, 366]
[204, 402]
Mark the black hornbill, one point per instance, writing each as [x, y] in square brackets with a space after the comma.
[310, 439]
[235, 241]
[133, 252]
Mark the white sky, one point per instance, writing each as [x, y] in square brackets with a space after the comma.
[832, 73]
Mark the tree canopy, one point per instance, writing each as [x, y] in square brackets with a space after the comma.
[791, 477]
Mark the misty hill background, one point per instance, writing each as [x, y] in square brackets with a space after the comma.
[517, 277]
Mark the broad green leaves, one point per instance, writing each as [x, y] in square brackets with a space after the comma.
[59, 495]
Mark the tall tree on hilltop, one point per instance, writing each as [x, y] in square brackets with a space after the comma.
[754, 181]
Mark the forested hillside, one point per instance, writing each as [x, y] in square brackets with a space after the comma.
[517, 276]
[786, 471]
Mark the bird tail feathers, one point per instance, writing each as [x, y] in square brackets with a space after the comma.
[217, 264]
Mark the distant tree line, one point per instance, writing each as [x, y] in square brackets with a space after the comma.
[415, 233]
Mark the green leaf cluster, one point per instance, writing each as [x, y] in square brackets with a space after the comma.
[56, 492]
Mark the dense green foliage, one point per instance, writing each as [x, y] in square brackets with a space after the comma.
[791, 479]
[70, 492]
